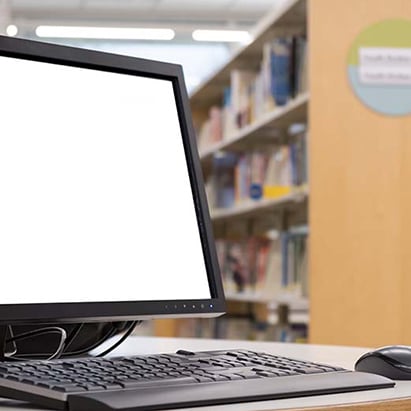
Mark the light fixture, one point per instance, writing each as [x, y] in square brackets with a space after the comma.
[12, 30]
[109, 33]
[234, 36]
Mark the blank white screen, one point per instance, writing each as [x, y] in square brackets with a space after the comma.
[95, 199]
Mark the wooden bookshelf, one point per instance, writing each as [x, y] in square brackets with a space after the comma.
[359, 174]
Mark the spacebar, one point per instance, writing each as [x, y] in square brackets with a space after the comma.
[178, 396]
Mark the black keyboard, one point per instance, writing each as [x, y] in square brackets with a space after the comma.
[183, 379]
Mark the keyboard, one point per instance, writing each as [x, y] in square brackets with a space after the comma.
[181, 379]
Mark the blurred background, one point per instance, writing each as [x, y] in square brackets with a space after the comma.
[307, 182]
[25, 18]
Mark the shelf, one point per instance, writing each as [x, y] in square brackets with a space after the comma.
[299, 306]
[252, 208]
[299, 318]
[295, 303]
[267, 128]
[291, 14]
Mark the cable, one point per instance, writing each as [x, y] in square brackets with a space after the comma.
[37, 333]
[66, 341]
[121, 340]
[4, 329]
[14, 347]
[109, 334]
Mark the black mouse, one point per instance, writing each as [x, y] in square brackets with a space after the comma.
[393, 362]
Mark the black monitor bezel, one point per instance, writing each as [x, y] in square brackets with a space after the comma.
[125, 310]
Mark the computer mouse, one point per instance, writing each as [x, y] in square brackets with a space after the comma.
[393, 361]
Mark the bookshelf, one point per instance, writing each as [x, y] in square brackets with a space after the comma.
[268, 127]
[359, 173]
[292, 14]
[299, 307]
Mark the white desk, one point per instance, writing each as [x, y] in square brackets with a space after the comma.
[393, 399]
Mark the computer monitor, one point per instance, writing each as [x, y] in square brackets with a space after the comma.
[103, 214]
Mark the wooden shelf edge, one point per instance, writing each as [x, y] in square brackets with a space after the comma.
[256, 206]
[296, 303]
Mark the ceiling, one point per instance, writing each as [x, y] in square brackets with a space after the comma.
[177, 14]
[183, 16]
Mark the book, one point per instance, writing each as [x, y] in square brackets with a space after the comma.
[237, 277]
[242, 177]
[241, 84]
[278, 181]
[258, 169]
[298, 157]
[268, 102]
[211, 130]
[280, 70]
[294, 268]
[270, 281]
[222, 180]
[301, 71]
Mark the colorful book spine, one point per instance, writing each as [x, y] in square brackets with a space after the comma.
[282, 74]
[264, 264]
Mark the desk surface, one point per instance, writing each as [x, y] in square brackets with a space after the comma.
[394, 399]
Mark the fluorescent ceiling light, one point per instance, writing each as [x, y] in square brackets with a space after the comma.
[112, 33]
[12, 30]
[235, 36]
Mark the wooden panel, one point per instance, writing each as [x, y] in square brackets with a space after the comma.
[392, 405]
[165, 327]
[360, 191]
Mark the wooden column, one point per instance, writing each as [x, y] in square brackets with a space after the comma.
[360, 190]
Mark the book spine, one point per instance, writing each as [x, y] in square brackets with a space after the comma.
[223, 174]
[280, 70]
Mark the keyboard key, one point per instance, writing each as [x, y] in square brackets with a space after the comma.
[186, 353]
[199, 378]
[158, 382]
[248, 374]
[308, 370]
[69, 388]
[219, 378]
[111, 386]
